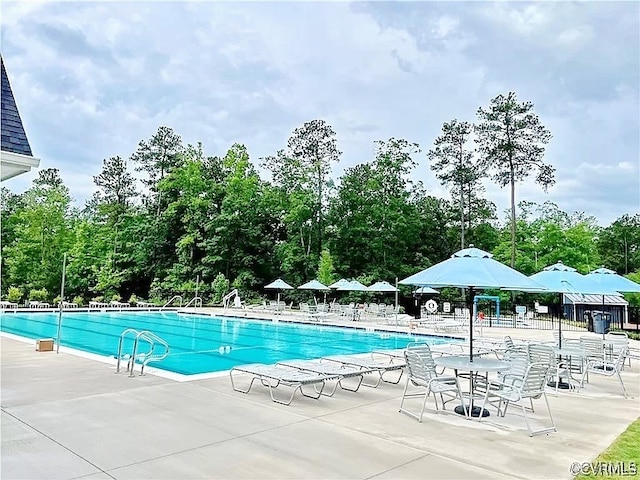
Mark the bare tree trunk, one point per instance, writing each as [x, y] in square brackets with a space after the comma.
[461, 216]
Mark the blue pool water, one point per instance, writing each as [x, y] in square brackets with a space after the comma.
[202, 344]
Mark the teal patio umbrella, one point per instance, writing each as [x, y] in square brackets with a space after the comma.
[473, 269]
[315, 285]
[279, 285]
[561, 278]
[339, 283]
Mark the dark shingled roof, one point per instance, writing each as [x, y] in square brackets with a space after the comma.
[14, 139]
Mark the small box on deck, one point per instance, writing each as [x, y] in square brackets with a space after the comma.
[44, 345]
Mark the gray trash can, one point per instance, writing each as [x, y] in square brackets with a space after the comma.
[601, 323]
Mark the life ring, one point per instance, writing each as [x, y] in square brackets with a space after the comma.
[431, 306]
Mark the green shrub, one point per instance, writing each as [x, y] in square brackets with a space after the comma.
[99, 299]
[14, 295]
[56, 301]
[116, 297]
[38, 295]
[220, 287]
[78, 299]
[133, 300]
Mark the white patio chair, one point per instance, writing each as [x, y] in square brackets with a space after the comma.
[532, 386]
[616, 341]
[542, 353]
[608, 369]
[421, 373]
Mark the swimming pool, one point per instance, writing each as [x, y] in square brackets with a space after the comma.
[204, 344]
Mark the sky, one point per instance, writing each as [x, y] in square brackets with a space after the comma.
[93, 79]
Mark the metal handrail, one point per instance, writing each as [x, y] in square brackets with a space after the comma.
[152, 339]
[227, 298]
[149, 356]
[197, 302]
[175, 297]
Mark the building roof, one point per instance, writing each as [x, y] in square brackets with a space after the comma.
[579, 299]
[14, 138]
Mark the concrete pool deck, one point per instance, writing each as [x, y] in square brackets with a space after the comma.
[67, 417]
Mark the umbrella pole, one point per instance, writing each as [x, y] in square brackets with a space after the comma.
[396, 309]
[602, 319]
[278, 303]
[560, 323]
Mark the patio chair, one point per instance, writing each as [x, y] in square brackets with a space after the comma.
[421, 372]
[608, 369]
[532, 386]
[616, 341]
[542, 353]
[331, 370]
[371, 366]
[566, 342]
[593, 349]
[273, 376]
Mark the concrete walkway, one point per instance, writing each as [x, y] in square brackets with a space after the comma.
[66, 417]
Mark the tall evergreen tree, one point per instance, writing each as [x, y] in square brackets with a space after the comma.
[511, 142]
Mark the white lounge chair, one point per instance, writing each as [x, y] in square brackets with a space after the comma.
[372, 366]
[331, 370]
[5, 305]
[272, 376]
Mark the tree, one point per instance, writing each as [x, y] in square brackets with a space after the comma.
[511, 143]
[455, 167]
[116, 184]
[41, 234]
[619, 244]
[158, 157]
[306, 165]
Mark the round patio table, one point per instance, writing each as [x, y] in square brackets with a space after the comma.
[479, 364]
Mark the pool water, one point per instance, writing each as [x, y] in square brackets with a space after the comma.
[203, 344]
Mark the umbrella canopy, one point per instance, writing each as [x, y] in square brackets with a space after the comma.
[475, 268]
[279, 284]
[339, 283]
[353, 286]
[382, 287]
[425, 291]
[610, 279]
[313, 285]
[564, 279]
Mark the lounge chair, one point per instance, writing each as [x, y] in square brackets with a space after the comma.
[272, 376]
[332, 370]
[116, 303]
[371, 366]
[4, 305]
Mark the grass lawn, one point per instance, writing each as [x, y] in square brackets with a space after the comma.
[625, 451]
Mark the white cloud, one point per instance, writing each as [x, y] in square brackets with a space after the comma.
[93, 79]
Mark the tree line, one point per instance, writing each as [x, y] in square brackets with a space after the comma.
[213, 221]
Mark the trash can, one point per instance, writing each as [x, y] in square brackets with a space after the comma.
[601, 322]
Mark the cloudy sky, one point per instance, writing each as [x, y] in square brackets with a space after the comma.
[93, 79]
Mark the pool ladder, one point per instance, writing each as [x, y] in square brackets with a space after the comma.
[139, 338]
